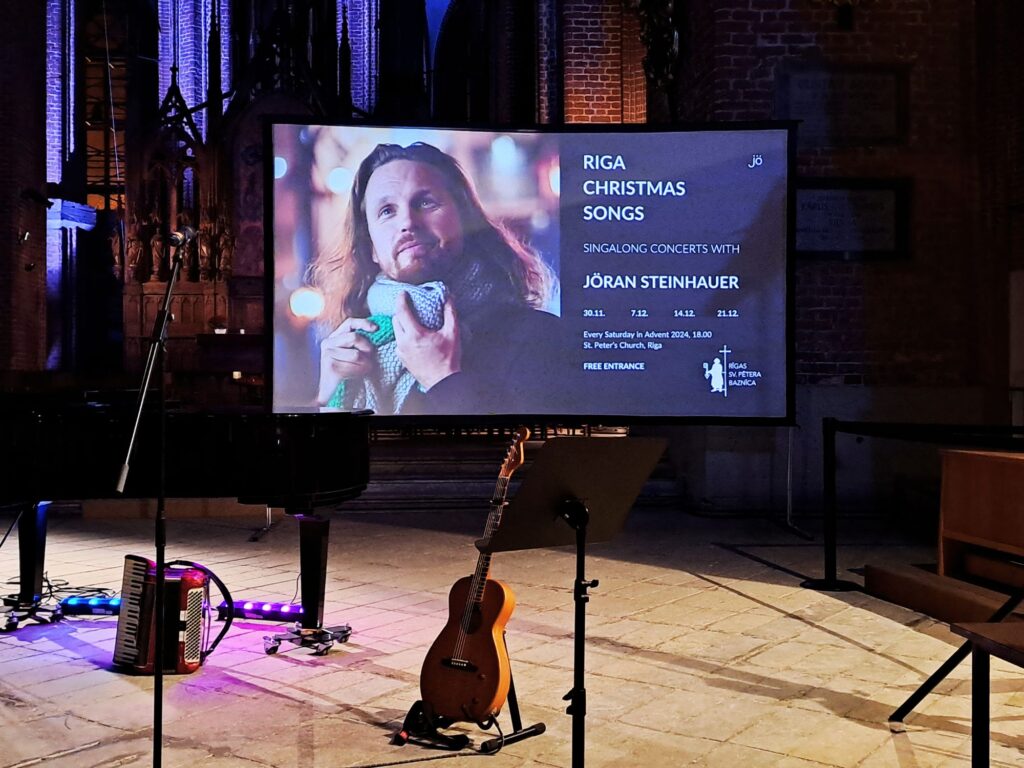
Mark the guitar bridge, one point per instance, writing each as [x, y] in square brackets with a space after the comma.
[462, 664]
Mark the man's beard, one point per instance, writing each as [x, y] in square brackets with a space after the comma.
[436, 265]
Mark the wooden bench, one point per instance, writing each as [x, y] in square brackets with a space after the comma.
[981, 527]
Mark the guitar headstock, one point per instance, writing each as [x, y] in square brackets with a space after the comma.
[514, 456]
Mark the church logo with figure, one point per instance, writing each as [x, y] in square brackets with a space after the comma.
[714, 373]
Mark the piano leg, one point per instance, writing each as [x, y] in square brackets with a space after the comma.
[310, 632]
[31, 558]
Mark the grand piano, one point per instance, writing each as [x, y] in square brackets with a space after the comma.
[72, 448]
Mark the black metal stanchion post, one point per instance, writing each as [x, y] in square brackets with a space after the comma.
[829, 582]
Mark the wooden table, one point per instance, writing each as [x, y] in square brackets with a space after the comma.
[1004, 640]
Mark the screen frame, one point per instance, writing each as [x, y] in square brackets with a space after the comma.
[567, 420]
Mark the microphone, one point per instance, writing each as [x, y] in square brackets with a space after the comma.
[178, 239]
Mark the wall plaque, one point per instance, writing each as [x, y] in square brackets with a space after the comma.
[862, 219]
[844, 105]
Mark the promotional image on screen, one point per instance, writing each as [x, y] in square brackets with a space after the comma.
[581, 274]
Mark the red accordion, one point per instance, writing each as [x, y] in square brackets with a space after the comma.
[186, 600]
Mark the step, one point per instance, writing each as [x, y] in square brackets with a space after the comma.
[941, 597]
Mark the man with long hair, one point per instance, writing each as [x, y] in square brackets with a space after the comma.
[432, 307]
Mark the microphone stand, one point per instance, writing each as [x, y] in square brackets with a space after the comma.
[155, 360]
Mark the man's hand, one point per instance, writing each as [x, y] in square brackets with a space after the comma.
[429, 356]
[345, 354]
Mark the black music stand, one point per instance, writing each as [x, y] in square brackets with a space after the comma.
[578, 489]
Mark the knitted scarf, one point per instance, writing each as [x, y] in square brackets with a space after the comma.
[472, 290]
[386, 391]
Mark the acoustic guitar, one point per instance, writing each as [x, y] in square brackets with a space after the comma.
[466, 674]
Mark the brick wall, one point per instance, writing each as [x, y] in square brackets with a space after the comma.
[696, 64]
[362, 30]
[546, 61]
[603, 76]
[633, 85]
[1000, 142]
[908, 322]
[193, 34]
[56, 34]
[23, 167]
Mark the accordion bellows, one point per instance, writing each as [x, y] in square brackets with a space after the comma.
[186, 596]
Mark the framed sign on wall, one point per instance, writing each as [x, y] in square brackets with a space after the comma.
[853, 219]
[844, 105]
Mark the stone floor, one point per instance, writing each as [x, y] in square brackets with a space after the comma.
[701, 649]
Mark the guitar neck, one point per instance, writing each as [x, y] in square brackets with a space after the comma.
[513, 459]
[483, 562]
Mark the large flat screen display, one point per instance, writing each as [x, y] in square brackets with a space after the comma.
[581, 275]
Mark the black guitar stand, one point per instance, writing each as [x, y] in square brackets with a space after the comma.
[578, 489]
[27, 604]
[421, 728]
[310, 632]
[518, 733]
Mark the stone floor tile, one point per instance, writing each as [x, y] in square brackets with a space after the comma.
[848, 740]
[695, 653]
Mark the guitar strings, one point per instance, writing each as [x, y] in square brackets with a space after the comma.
[479, 584]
